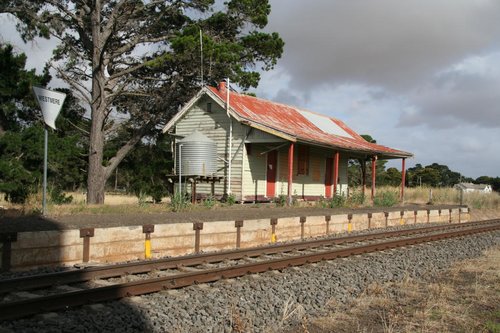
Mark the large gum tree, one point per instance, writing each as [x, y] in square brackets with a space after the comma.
[133, 63]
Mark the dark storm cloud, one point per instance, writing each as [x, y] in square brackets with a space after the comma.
[390, 43]
[468, 99]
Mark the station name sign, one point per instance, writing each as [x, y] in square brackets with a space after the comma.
[51, 103]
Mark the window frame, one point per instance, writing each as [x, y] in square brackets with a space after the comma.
[303, 160]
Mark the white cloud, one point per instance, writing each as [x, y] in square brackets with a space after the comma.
[465, 92]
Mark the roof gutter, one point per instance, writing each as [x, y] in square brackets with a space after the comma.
[381, 154]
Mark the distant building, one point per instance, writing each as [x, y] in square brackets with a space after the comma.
[469, 187]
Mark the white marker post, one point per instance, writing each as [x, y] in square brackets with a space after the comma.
[51, 103]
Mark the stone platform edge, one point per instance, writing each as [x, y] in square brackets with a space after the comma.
[27, 250]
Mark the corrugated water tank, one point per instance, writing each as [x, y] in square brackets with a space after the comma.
[198, 155]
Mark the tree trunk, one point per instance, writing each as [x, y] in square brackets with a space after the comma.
[95, 188]
[96, 178]
[96, 173]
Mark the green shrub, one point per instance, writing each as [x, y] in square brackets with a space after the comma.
[155, 191]
[280, 200]
[142, 197]
[386, 199]
[322, 202]
[334, 202]
[356, 199]
[337, 201]
[179, 202]
[209, 201]
[231, 199]
[58, 197]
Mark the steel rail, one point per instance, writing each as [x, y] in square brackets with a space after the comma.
[27, 307]
[77, 276]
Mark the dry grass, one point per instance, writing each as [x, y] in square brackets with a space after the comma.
[464, 299]
[121, 203]
[113, 203]
[448, 195]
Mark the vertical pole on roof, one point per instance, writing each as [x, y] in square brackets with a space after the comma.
[374, 174]
[290, 172]
[403, 179]
[230, 140]
[335, 172]
[201, 58]
[180, 170]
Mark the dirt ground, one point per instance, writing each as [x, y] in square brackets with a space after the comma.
[11, 221]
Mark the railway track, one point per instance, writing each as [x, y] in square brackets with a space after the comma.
[24, 296]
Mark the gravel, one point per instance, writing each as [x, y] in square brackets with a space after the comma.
[268, 302]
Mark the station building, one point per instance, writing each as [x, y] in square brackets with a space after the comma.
[226, 142]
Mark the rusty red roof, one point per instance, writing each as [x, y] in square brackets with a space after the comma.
[305, 126]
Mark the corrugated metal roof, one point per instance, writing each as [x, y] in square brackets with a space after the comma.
[304, 125]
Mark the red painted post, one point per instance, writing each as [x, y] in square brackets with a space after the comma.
[335, 172]
[290, 172]
[403, 178]
[363, 171]
[374, 174]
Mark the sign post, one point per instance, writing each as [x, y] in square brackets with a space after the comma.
[51, 103]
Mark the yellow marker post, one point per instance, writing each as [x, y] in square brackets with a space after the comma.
[147, 230]
[147, 246]
[349, 223]
[274, 222]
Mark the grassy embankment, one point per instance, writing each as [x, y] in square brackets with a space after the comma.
[121, 203]
[466, 298]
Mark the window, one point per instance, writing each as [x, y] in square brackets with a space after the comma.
[209, 107]
[303, 160]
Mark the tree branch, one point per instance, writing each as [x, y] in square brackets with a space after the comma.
[127, 147]
[84, 92]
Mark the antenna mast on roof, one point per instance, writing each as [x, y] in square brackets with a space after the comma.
[230, 159]
[201, 58]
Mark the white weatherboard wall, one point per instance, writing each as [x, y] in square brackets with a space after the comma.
[254, 172]
[215, 125]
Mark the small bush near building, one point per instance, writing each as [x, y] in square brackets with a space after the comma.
[337, 201]
[179, 202]
[280, 200]
[385, 199]
[58, 197]
[356, 199]
[209, 201]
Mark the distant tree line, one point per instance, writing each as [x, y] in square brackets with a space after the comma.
[433, 175]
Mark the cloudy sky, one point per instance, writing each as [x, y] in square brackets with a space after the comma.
[419, 75]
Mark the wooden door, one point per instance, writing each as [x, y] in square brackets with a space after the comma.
[272, 167]
[328, 177]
